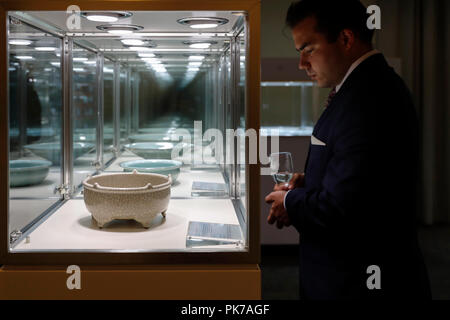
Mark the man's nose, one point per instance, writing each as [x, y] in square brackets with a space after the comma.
[303, 63]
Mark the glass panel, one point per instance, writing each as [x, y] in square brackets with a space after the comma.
[35, 109]
[241, 113]
[108, 110]
[292, 107]
[124, 104]
[228, 116]
[84, 113]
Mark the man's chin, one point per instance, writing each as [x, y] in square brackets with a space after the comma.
[323, 85]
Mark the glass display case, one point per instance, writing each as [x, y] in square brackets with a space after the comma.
[153, 94]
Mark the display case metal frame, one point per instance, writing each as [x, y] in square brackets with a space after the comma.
[251, 8]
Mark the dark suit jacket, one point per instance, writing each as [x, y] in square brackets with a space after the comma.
[358, 205]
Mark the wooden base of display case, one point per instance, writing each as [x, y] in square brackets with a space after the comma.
[198, 282]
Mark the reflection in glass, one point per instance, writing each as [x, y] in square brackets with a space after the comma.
[241, 124]
[108, 110]
[35, 108]
[84, 116]
[292, 107]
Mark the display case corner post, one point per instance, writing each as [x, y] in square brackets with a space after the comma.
[4, 168]
[253, 116]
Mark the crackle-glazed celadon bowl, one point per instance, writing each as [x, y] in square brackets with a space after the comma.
[138, 196]
[160, 166]
[27, 172]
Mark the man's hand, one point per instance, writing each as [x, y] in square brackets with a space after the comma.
[277, 211]
[297, 181]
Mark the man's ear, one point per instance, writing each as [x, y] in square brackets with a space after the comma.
[347, 38]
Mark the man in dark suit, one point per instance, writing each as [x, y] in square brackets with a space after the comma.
[354, 207]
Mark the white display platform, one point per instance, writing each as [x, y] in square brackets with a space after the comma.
[71, 228]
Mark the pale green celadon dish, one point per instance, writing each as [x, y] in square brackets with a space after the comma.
[52, 150]
[27, 172]
[151, 150]
[160, 166]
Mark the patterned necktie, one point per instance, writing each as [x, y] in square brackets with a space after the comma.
[330, 97]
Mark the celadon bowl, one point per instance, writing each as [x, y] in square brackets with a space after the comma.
[160, 166]
[52, 150]
[151, 150]
[138, 196]
[27, 172]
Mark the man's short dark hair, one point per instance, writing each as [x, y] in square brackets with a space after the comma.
[332, 17]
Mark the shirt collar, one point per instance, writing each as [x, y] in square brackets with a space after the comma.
[354, 65]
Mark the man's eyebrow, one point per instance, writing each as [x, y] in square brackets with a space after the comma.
[302, 47]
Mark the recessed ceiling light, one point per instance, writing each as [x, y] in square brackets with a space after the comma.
[146, 55]
[106, 16]
[199, 44]
[133, 42]
[193, 69]
[55, 64]
[24, 57]
[202, 22]
[196, 58]
[120, 28]
[20, 42]
[195, 63]
[45, 48]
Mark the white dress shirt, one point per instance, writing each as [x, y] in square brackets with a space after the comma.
[349, 71]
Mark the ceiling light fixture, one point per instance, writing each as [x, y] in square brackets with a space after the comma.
[196, 58]
[199, 44]
[146, 55]
[132, 42]
[203, 22]
[24, 57]
[20, 42]
[119, 28]
[99, 16]
[45, 48]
